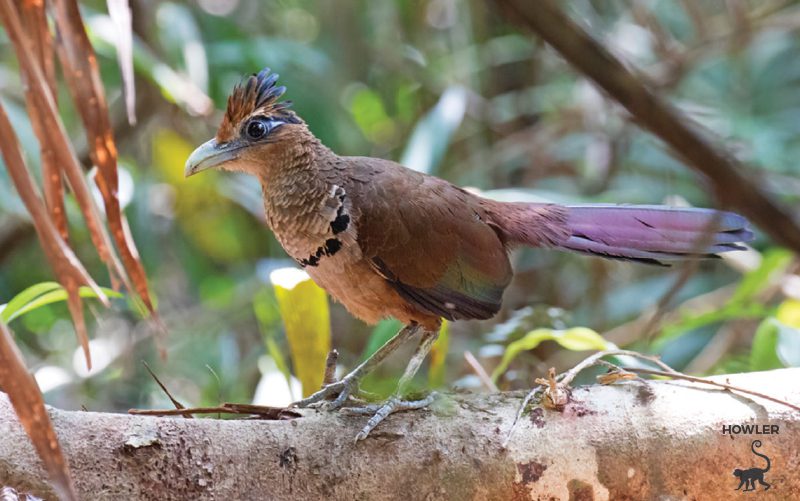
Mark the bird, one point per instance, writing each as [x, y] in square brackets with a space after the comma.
[388, 241]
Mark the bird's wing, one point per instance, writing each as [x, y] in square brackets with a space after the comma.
[429, 239]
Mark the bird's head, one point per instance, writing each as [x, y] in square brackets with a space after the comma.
[256, 131]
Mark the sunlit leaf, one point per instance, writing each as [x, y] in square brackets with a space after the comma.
[788, 312]
[306, 318]
[788, 346]
[774, 261]
[25, 297]
[433, 133]
[370, 115]
[763, 353]
[574, 339]
[743, 303]
[776, 344]
[384, 331]
[11, 312]
[120, 13]
[181, 39]
[724, 314]
[174, 86]
[439, 349]
[268, 316]
[788, 343]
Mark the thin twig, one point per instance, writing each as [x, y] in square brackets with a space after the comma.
[219, 384]
[622, 373]
[525, 402]
[592, 360]
[479, 371]
[172, 399]
[693, 379]
[566, 378]
[262, 411]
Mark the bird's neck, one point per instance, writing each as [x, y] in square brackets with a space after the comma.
[298, 196]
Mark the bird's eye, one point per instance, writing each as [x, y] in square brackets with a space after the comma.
[257, 129]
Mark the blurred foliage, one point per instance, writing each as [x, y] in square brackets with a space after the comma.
[448, 87]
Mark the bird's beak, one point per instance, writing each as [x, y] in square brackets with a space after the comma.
[208, 155]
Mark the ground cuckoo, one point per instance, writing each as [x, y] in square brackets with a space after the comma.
[387, 241]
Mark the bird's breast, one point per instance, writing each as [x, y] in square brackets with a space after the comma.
[315, 227]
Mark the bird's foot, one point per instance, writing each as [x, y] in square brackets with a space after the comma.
[379, 412]
[341, 389]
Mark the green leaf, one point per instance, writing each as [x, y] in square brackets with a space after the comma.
[433, 133]
[43, 294]
[174, 86]
[743, 302]
[774, 260]
[306, 318]
[789, 313]
[775, 344]
[265, 307]
[726, 313]
[580, 339]
[763, 354]
[574, 339]
[277, 355]
[788, 345]
[370, 116]
[384, 331]
[25, 297]
[436, 372]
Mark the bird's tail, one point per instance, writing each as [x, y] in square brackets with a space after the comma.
[652, 234]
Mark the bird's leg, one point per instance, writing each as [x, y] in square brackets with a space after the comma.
[345, 386]
[395, 402]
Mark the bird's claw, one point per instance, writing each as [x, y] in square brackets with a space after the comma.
[381, 411]
[342, 389]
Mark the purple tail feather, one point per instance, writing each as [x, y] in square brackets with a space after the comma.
[652, 233]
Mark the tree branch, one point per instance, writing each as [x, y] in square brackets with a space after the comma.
[734, 187]
[634, 440]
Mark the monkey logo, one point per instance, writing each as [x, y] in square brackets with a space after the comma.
[748, 478]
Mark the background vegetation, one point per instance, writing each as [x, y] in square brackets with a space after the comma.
[445, 86]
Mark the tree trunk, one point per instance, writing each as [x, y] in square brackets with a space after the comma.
[632, 440]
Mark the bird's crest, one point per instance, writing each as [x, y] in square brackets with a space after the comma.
[257, 94]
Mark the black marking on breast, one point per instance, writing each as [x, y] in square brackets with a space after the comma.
[331, 247]
[342, 220]
[312, 260]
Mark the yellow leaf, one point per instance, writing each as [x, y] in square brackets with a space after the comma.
[789, 313]
[574, 339]
[306, 318]
[170, 152]
[439, 356]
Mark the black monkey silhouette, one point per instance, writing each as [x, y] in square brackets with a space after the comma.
[748, 478]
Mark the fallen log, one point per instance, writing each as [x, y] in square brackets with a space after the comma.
[630, 440]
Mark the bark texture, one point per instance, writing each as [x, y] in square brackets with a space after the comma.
[633, 440]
